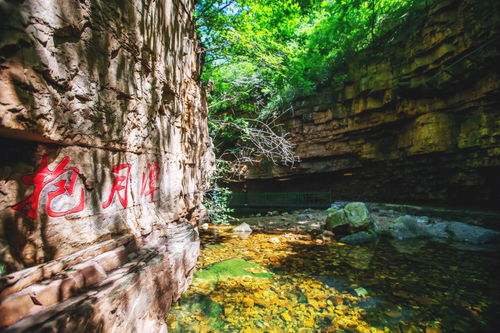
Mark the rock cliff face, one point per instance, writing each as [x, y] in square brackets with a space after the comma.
[419, 123]
[104, 161]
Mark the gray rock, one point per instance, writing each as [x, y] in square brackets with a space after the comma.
[304, 217]
[339, 204]
[407, 226]
[358, 238]
[357, 214]
[242, 229]
[382, 224]
[335, 218]
[462, 232]
[438, 230]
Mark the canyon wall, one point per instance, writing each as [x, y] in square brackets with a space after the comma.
[104, 161]
[419, 122]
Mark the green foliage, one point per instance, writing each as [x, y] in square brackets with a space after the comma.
[216, 200]
[261, 54]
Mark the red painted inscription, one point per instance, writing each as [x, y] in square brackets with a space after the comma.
[45, 176]
[150, 181]
[120, 185]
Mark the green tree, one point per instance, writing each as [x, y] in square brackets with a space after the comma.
[262, 54]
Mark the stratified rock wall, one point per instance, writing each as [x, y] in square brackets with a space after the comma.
[104, 161]
[420, 123]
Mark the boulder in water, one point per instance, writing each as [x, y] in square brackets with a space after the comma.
[462, 232]
[335, 218]
[438, 230]
[407, 226]
[357, 214]
[243, 227]
[242, 230]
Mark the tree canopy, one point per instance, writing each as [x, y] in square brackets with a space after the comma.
[261, 54]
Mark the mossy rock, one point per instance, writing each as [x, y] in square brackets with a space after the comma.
[335, 218]
[357, 214]
[231, 268]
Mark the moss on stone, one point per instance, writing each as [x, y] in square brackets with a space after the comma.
[235, 267]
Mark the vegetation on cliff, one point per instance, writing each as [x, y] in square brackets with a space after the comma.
[262, 54]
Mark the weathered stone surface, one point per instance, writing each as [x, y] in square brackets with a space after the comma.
[472, 234]
[335, 218]
[105, 159]
[408, 126]
[131, 298]
[405, 227]
[357, 214]
[243, 227]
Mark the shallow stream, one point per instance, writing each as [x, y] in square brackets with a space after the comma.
[292, 282]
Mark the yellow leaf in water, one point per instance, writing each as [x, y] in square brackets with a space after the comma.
[309, 322]
[248, 302]
[228, 310]
[286, 316]
[315, 305]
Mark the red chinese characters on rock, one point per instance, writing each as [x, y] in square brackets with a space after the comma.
[45, 176]
[150, 181]
[120, 185]
[63, 182]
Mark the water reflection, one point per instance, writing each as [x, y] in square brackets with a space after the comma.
[411, 286]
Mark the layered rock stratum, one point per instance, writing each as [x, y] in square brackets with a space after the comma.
[104, 161]
[416, 121]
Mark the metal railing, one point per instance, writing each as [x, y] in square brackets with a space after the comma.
[281, 199]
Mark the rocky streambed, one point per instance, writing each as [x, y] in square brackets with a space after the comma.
[289, 273]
